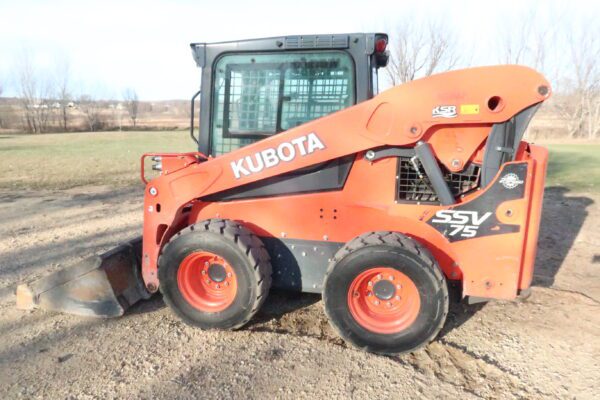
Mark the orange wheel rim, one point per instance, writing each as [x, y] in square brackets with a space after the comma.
[383, 300]
[206, 281]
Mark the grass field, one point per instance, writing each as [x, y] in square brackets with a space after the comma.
[60, 161]
[575, 166]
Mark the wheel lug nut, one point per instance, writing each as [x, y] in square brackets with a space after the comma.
[397, 297]
[398, 286]
[229, 274]
[206, 263]
[369, 294]
[356, 294]
[226, 283]
[218, 286]
[391, 277]
[379, 276]
[208, 281]
[203, 272]
[389, 303]
[376, 302]
[370, 283]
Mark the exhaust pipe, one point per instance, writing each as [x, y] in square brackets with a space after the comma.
[99, 286]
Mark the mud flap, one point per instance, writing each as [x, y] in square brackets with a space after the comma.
[99, 286]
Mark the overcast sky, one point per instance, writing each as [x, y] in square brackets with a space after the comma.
[111, 45]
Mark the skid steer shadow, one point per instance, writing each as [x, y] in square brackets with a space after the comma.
[280, 303]
[295, 314]
[562, 219]
[458, 314]
[301, 314]
[151, 305]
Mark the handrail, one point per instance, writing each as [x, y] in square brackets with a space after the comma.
[192, 117]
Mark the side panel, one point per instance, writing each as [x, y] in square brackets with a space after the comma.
[538, 176]
[318, 178]
[300, 264]
[488, 233]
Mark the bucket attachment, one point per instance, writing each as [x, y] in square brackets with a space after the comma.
[99, 286]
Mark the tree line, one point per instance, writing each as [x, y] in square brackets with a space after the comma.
[49, 102]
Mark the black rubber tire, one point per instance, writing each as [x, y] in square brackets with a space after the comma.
[390, 249]
[242, 249]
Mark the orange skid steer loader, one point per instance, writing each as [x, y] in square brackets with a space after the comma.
[307, 179]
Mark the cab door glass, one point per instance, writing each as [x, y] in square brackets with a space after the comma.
[258, 95]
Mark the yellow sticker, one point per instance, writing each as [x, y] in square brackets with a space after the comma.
[469, 109]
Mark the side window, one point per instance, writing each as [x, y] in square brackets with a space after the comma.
[258, 95]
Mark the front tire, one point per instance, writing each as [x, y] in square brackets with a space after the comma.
[215, 274]
[384, 293]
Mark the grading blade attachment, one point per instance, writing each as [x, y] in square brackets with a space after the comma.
[99, 286]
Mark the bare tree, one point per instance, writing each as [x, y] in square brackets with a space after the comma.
[419, 50]
[117, 111]
[34, 93]
[585, 53]
[132, 103]
[514, 43]
[91, 109]
[566, 51]
[580, 100]
[1, 114]
[63, 92]
[530, 40]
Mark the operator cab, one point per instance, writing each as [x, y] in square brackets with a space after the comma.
[252, 89]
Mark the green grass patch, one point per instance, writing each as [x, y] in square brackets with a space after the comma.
[60, 161]
[575, 166]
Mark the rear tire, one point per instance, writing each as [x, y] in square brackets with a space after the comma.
[384, 293]
[215, 274]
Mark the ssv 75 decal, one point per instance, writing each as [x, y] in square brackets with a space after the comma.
[462, 223]
[477, 217]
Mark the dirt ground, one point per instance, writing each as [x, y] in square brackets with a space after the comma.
[547, 346]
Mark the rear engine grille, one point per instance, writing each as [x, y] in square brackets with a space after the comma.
[414, 186]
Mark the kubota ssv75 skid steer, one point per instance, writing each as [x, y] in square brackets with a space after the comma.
[309, 180]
